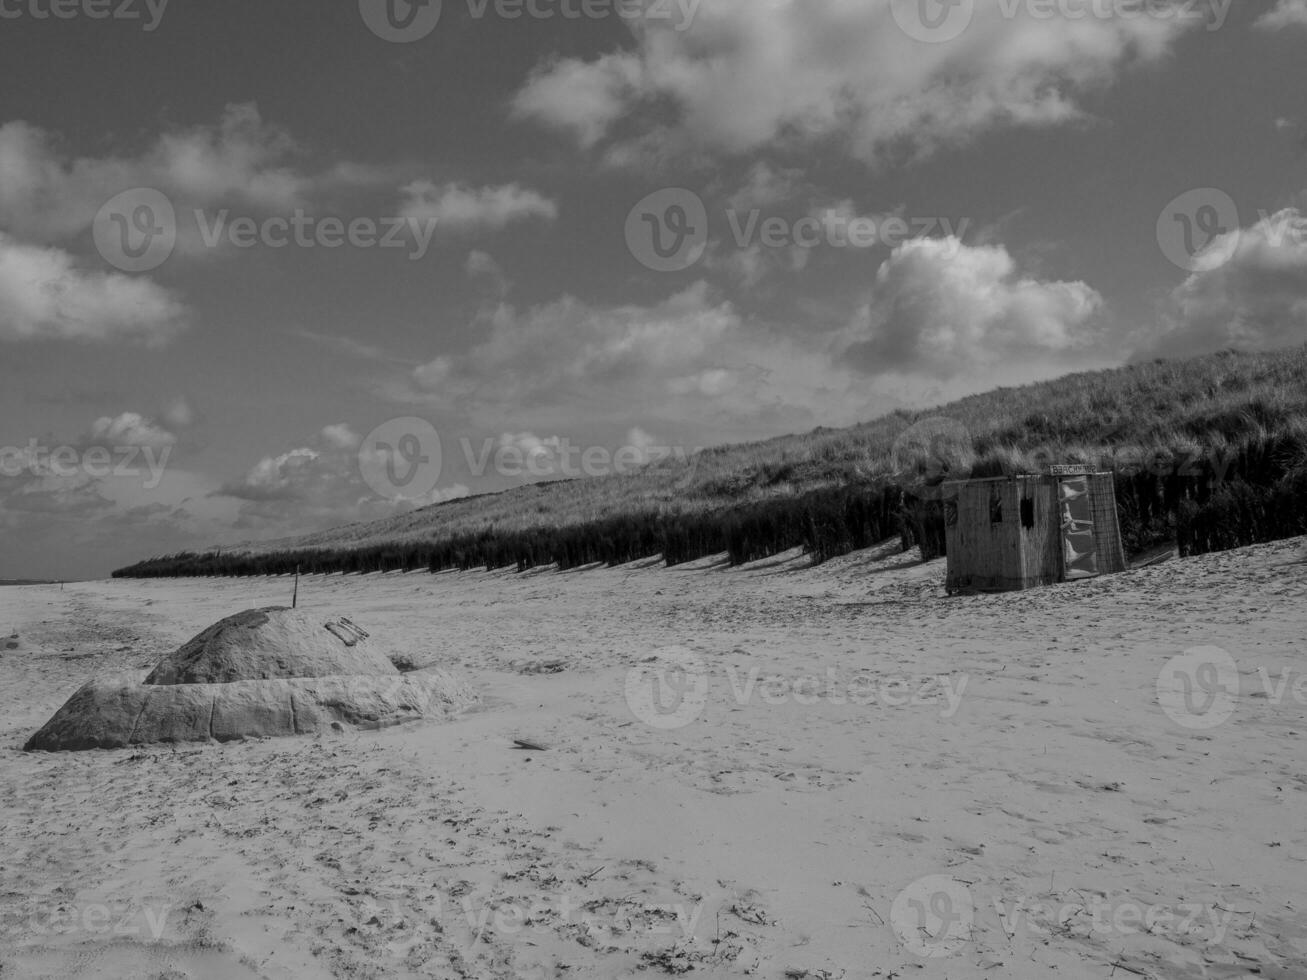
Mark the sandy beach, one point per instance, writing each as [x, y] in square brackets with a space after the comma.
[858, 777]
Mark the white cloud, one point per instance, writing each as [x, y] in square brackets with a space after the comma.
[1250, 291]
[1287, 13]
[278, 477]
[585, 98]
[766, 186]
[315, 487]
[179, 414]
[131, 429]
[44, 296]
[943, 309]
[691, 362]
[483, 267]
[941, 319]
[461, 206]
[341, 436]
[751, 74]
[45, 195]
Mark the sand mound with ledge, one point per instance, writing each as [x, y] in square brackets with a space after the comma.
[259, 673]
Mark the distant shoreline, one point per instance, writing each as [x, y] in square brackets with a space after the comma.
[23, 581]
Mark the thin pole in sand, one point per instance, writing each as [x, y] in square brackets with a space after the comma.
[295, 598]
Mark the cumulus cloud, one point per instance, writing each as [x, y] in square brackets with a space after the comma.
[1286, 13]
[941, 319]
[942, 308]
[45, 195]
[691, 361]
[482, 267]
[45, 296]
[131, 429]
[314, 487]
[341, 436]
[752, 74]
[461, 206]
[766, 186]
[281, 477]
[1249, 291]
[583, 97]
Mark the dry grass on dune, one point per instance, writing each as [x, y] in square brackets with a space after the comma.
[1175, 432]
[1211, 404]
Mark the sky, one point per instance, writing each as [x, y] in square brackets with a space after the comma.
[270, 266]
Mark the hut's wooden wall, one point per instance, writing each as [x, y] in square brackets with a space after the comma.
[1042, 543]
[986, 555]
[1107, 525]
[983, 554]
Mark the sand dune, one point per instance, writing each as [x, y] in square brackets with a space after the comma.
[771, 771]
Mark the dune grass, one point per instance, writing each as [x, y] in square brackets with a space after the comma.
[1210, 452]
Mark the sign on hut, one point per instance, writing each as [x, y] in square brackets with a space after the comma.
[1018, 532]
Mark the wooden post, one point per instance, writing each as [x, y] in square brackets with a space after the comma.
[295, 598]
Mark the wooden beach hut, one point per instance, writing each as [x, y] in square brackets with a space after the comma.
[1018, 532]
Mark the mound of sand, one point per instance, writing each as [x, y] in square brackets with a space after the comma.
[261, 644]
[261, 673]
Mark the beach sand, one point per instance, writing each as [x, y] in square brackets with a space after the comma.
[861, 778]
